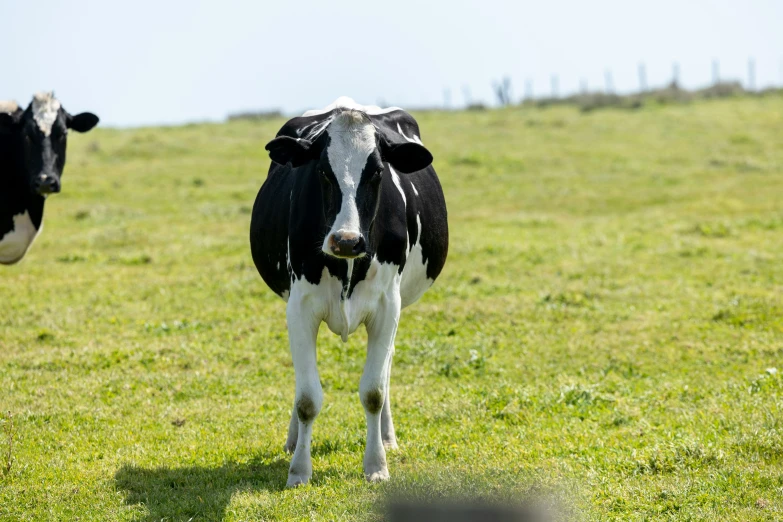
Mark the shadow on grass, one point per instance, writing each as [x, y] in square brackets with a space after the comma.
[198, 493]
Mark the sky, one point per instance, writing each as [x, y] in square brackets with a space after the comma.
[173, 61]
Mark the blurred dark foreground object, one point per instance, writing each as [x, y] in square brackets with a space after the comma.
[463, 511]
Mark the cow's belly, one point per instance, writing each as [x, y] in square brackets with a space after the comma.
[14, 244]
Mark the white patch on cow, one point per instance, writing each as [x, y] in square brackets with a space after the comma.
[396, 180]
[414, 276]
[352, 140]
[344, 102]
[8, 106]
[343, 314]
[345, 303]
[414, 189]
[45, 108]
[14, 244]
[414, 139]
[287, 293]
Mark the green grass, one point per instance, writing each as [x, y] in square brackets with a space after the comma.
[603, 332]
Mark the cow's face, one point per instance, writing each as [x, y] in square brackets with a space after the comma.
[43, 132]
[350, 160]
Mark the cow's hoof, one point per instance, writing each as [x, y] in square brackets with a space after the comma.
[377, 476]
[296, 480]
[390, 444]
[289, 447]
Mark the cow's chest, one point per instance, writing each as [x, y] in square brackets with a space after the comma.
[343, 314]
[14, 243]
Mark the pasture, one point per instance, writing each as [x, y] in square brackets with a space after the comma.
[608, 330]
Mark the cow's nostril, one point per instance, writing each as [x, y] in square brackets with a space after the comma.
[358, 248]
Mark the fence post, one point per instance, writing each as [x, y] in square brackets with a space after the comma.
[609, 82]
[715, 72]
[467, 96]
[554, 86]
[528, 89]
[676, 75]
[642, 78]
[751, 74]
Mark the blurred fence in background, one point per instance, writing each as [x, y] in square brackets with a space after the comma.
[586, 99]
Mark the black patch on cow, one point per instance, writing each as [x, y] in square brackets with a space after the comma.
[373, 401]
[305, 409]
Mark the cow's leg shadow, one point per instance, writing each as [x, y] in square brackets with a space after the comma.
[198, 492]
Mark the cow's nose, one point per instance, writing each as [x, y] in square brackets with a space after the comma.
[347, 244]
[47, 184]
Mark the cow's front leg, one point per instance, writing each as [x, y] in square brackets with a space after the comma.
[373, 388]
[387, 425]
[293, 431]
[303, 325]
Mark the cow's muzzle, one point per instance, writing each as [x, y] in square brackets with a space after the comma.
[47, 184]
[347, 245]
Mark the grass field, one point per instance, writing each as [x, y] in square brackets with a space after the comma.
[608, 330]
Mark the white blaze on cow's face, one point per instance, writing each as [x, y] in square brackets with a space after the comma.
[45, 111]
[44, 141]
[352, 140]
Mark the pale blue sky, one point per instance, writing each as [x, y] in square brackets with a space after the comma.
[146, 62]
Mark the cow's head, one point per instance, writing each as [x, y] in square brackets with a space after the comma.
[350, 158]
[42, 130]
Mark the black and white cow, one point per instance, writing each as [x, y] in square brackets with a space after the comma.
[349, 228]
[32, 157]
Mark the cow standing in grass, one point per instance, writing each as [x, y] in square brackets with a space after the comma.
[32, 158]
[349, 228]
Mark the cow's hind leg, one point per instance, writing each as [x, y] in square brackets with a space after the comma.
[387, 425]
[302, 333]
[381, 329]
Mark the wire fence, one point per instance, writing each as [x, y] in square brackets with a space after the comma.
[673, 91]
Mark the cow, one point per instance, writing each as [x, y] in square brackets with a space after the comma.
[349, 227]
[32, 158]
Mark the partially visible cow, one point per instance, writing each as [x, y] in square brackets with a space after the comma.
[349, 228]
[32, 157]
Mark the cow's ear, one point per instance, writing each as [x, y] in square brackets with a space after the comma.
[82, 122]
[285, 149]
[406, 157]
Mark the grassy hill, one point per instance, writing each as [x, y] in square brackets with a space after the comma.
[608, 330]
